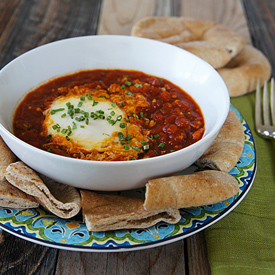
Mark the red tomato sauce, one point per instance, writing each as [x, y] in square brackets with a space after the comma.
[172, 120]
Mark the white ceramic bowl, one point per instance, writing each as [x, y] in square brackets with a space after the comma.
[67, 56]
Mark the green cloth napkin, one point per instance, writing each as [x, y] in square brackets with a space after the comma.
[243, 242]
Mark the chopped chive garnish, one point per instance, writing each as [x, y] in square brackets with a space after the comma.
[126, 147]
[136, 148]
[102, 96]
[128, 137]
[144, 142]
[80, 103]
[113, 104]
[122, 125]
[161, 145]
[56, 127]
[119, 118]
[128, 93]
[48, 136]
[81, 118]
[121, 104]
[112, 113]
[138, 85]
[50, 150]
[82, 98]
[128, 83]
[82, 126]
[29, 127]
[122, 86]
[111, 121]
[71, 110]
[146, 147]
[57, 110]
[121, 136]
[97, 114]
[63, 115]
[89, 96]
[141, 114]
[156, 136]
[95, 103]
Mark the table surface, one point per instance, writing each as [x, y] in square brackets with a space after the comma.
[26, 24]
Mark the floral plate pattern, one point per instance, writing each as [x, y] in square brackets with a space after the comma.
[39, 226]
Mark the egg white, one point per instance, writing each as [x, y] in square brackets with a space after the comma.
[87, 134]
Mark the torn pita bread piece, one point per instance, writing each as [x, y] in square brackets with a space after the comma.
[242, 72]
[227, 148]
[6, 155]
[183, 191]
[12, 197]
[104, 212]
[2, 172]
[210, 41]
[62, 200]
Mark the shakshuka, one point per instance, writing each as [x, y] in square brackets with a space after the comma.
[109, 115]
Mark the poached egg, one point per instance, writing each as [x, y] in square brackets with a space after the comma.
[85, 121]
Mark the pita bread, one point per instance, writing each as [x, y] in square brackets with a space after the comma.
[242, 72]
[226, 150]
[60, 199]
[2, 172]
[6, 155]
[201, 188]
[214, 43]
[12, 197]
[104, 212]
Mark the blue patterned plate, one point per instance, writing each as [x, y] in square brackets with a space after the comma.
[39, 226]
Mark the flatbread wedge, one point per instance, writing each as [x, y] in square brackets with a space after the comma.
[6, 155]
[210, 41]
[60, 199]
[183, 191]
[12, 197]
[243, 71]
[104, 212]
[226, 149]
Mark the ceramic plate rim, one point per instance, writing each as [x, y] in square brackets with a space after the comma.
[151, 244]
